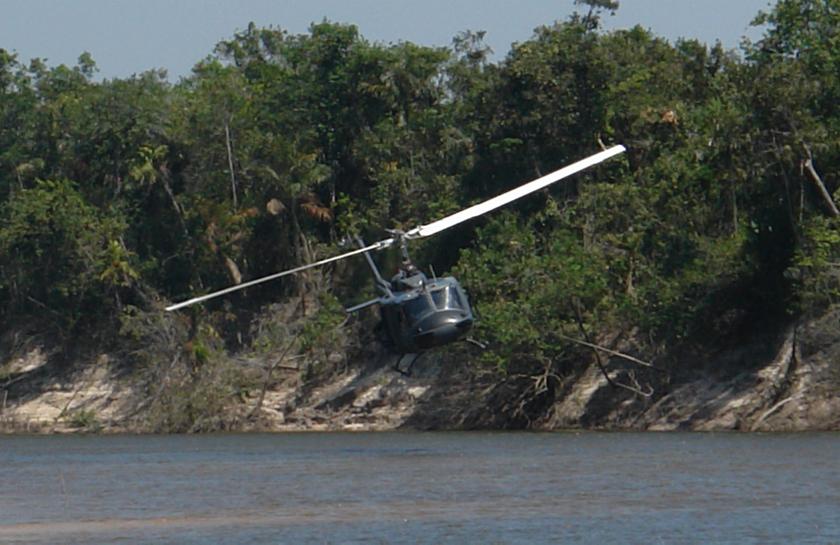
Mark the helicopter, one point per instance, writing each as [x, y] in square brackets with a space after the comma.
[419, 313]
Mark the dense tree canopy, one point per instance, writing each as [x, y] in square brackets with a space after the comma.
[125, 193]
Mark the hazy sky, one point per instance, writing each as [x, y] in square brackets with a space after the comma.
[130, 36]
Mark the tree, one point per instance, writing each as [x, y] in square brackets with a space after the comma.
[57, 252]
[795, 66]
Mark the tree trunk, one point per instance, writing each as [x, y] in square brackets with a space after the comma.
[230, 166]
[734, 210]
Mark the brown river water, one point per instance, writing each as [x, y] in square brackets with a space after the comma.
[494, 488]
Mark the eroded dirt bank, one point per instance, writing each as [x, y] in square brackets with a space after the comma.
[786, 383]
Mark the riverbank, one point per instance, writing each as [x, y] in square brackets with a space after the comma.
[785, 383]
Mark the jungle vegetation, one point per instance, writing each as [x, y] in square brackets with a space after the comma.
[118, 196]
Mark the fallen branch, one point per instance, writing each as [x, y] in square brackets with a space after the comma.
[18, 378]
[770, 411]
[609, 351]
[600, 363]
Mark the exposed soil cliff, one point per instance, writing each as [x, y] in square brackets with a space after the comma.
[784, 383]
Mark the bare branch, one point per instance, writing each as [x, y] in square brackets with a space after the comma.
[808, 165]
[269, 371]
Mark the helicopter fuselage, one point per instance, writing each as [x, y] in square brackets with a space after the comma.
[421, 314]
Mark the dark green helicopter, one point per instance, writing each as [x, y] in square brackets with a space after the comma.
[419, 313]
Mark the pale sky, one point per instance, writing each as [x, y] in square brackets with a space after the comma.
[130, 36]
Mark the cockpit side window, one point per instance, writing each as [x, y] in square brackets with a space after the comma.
[417, 308]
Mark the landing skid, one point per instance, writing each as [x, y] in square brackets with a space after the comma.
[406, 371]
[413, 358]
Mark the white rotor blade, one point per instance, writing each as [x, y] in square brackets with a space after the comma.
[375, 246]
[512, 195]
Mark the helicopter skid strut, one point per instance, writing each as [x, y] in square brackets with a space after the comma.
[406, 372]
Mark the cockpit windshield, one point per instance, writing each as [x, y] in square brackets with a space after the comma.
[440, 297]
[446, 298]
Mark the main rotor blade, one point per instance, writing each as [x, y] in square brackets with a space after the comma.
[375, 246]
[512, 195]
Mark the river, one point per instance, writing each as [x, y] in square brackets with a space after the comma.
[493, 488]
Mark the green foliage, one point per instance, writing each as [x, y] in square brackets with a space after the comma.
[321, 330]
[527, 288]
[57, 251]
[117, 270]
[804, 32]
[816, 266]
[115, 195]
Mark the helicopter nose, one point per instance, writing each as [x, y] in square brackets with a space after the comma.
[442, 328]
